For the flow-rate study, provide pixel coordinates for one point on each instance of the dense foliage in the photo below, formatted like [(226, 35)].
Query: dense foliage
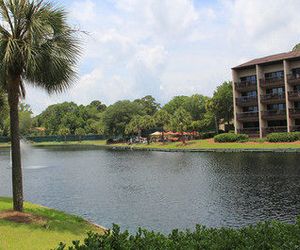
[(267, 235), (181, 114), (25, 117), (70, 115), (231, 137), (283, 137), (221, 104)]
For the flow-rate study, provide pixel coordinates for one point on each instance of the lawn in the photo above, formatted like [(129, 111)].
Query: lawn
[(195, 144), (210, 144), (39, 227)]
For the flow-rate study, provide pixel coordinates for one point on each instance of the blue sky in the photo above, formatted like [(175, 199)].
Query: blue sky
[(169, 47)]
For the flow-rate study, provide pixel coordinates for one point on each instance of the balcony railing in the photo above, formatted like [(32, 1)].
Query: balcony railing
[(271, 82), (294, 95), (293, 78), (246, 100), (245, 85), (272, 97), (273, 114), (294, 113), (247, 115), (274, 129), (249, 131), (295, 128)]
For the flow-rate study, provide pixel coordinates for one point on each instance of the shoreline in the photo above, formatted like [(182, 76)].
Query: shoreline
[(218, 150), (192, 146), (41, 227)]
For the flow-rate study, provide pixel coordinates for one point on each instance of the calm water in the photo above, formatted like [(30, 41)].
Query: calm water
[(161, 191)]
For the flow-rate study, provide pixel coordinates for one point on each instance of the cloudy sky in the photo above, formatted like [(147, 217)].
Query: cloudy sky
[(169, 47)]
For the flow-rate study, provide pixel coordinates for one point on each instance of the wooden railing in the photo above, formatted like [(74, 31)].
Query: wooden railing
[(269, 82), (246, 99), (275, 129), (253, 131), (251, 114), (294, 94), (245, 84), (272, 96)]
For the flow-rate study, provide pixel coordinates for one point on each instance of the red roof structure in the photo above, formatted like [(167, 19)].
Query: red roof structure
[(269, 59)]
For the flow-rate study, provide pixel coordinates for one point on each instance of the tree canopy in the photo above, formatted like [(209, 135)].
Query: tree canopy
[(221, 104), (118, 115), (124, 117)]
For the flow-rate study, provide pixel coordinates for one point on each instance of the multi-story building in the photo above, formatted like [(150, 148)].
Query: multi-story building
[(266, 93)]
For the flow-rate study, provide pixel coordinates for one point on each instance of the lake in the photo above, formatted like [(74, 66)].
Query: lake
[(160, 190)]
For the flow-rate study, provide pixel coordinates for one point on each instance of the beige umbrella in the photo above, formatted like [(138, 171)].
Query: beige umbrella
[(157, 133)]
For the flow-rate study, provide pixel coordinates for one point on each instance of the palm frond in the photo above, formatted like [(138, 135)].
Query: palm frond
[(41, 47)]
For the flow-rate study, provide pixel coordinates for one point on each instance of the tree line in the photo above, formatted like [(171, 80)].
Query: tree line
[(182, 113)]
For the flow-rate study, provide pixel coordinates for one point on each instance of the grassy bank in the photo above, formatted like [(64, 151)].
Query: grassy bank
[(39, 227), (210, 144), (196, 144)]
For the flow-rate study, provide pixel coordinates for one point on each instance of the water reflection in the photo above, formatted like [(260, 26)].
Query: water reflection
[(161, 190)]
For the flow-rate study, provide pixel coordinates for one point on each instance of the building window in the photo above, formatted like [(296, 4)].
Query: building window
[(277, 123), (251, 125), (296, 72), (248, 79), (275, 91), (297, 88), (297, 105), (275, 75), (250, 109), (277, 106), (252, 93)]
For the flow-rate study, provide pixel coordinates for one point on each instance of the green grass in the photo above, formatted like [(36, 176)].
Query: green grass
[(196, 144), (59, 227), (209, 144)]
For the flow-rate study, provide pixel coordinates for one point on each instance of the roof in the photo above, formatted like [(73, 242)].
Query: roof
[(270, 59)]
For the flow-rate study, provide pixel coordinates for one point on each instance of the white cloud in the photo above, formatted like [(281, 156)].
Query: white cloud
[(83, 11), (267, 26), (167, 48)]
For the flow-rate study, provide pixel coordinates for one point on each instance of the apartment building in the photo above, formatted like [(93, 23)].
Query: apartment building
[(266, 95)]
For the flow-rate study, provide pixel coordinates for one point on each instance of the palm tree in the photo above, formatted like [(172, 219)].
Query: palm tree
[(181, 122), (36, 47), (162, 119), (139, 123)]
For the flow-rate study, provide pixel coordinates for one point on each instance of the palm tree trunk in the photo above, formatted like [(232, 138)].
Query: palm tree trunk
[(182, 138), (17, 182)]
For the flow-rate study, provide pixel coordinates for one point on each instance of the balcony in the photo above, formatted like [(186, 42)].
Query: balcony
[(247, 116), (253, 132), (275, 129), (294, 95), (294, 113), (245, 85), (273, 114), (293, 79), (272, 98), (295, 128), (271, 82), (246, 101)]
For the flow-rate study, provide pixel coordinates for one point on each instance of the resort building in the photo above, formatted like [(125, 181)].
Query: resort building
[(266, 95)]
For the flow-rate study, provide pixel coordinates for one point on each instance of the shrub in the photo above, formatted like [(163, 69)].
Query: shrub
[(266, 235), (230, 137), (207, 135), (283, 137)]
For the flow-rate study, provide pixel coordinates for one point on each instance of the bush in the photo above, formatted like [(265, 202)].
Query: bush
[(207, 135), (283, 137), (230, 137), (266, 235)]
